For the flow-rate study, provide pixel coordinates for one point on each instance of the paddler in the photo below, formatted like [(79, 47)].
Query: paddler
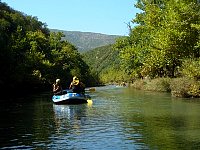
[(77, 86)]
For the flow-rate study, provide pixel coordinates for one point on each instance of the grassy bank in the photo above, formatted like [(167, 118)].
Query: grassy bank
[(179, 87)]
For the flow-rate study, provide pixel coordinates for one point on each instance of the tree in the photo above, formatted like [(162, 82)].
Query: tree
[(166, 34)]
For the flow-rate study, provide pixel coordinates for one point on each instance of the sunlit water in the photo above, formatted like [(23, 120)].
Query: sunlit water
[(118, 118)]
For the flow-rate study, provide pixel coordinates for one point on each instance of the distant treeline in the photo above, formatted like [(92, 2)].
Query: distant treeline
[(31, 57)]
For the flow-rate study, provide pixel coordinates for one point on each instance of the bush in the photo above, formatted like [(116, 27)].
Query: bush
[(138, 84), (185, 87), (179, 87), (159, 85)]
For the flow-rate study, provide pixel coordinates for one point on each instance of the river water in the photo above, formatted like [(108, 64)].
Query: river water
[(117, 118)]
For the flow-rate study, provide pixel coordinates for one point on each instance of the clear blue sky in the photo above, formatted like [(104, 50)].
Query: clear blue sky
[(99, 16)]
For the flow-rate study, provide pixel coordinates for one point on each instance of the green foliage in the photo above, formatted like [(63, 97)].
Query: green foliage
[(154, 64), (166, 34), (112, 75), (104, 62), (191, 68), (131, 51)]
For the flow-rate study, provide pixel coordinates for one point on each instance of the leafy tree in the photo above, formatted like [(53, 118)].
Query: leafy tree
[(166, 34)]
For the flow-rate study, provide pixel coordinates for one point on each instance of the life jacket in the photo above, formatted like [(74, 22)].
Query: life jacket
[(57, 89), (77, 88)]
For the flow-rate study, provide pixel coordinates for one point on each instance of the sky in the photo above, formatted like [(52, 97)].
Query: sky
[(100, 16)]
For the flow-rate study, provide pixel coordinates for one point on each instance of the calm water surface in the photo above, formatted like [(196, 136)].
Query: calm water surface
[(118, 118)]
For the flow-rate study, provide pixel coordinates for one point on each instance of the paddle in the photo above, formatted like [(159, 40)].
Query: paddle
[(91, 89)]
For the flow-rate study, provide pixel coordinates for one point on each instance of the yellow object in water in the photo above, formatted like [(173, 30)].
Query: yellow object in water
[(89, 102)]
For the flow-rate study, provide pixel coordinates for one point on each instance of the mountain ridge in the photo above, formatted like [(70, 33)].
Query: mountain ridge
[(85, 41)]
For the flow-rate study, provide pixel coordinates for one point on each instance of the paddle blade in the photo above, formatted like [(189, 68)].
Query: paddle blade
[(92, 89), (89, 102)]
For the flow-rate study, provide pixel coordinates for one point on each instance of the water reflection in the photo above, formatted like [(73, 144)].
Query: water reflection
[(161, 121), (69, 117)]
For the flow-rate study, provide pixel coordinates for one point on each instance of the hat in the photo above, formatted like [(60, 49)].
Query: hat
[(75, 80), (57, 80)]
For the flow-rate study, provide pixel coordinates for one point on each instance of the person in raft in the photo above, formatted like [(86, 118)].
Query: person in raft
[(57, 88), (77, 86)]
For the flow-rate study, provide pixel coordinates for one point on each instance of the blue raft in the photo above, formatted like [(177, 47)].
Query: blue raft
[(70, 98)]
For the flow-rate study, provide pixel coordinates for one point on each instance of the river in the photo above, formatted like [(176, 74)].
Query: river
[(118, 118)]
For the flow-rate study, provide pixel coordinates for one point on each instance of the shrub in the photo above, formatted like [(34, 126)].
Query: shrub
[(194, 89), (138, 84), (185, 87), (158, 84)]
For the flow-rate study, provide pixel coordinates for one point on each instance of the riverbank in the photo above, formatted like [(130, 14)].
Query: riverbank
[(179, 87)]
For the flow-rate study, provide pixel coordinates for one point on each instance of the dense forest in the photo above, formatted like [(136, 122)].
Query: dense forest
[(162, 48), (32, 57)]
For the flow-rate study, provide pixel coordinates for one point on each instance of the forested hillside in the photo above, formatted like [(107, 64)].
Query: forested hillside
[(101, 58), (33, 57), (104, 62), (85, 41)]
